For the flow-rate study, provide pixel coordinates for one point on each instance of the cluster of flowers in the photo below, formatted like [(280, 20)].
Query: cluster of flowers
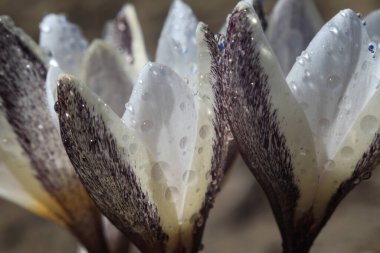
[(71, 149)]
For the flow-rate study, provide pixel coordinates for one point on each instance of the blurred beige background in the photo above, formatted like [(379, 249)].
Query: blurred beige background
[(355, 220)]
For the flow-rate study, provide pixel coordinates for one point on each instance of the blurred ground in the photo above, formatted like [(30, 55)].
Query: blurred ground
[(355, 226)]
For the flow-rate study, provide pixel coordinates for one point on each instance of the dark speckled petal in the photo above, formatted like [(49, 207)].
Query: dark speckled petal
[(268, 124), (31, 147), (115, 168)]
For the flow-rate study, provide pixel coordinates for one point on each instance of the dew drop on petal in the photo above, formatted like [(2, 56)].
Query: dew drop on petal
[(182, 106), (329, 165), (204, 131), (146, 126), (171, 194), (325, 123), (129, 107), (301, 61), (157, 172), (56, 106), (347, 152), (369, 124), (333, 81), (334, 30), (189, 176), (132, 148), (183, 142)]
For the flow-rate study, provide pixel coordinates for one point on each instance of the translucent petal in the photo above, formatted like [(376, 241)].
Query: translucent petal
[(64, 40), (177, 43), (162, 114), (104, 72), (292, 26), (373, 23), (125, 34), (334, 79), (211, 154), (12, 190)]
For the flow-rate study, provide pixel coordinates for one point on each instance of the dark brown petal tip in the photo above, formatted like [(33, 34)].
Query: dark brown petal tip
[(104, 165), (47, 172)]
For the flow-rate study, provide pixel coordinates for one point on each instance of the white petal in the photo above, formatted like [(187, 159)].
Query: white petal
[(177, 43), (64, 40), (12, 190), (125, 34), (291, 27), (334, 79), (373, 24), (163, 115), (104, 72)]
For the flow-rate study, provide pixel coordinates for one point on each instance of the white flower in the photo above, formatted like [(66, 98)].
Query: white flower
[(309, 138), (35, 171), (153, 172)]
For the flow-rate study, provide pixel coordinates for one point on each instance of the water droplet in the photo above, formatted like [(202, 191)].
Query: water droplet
[(301, 61), (304, 105), (171, 194), (329, 165), (67, 115), (369, 124), (325, 123), (293, 85), (40, 126), (302, 152), (365, 65), (306, 56), (189, 176), (334, 30), (333, 81), (366, 176), (200, 221), (347, 152), (155, 72), (145, 96), (146, 126), (204, 131), (132, 148), (372, 47), (129, 107), (56, 107), (183, 142), (182, 106), (157, 172)]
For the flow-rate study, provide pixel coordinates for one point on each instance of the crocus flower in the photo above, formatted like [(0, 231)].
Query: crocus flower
[(312, 137), (35, 171), (32, 175), (154, 171)]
